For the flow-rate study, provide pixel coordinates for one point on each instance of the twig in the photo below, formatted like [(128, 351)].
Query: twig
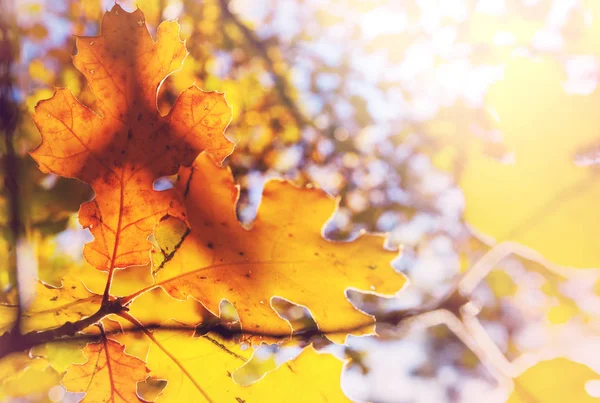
[(281, 84), (11, 342)]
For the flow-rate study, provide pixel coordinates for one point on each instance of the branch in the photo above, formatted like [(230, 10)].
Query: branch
[(14, 341), (281, 84)]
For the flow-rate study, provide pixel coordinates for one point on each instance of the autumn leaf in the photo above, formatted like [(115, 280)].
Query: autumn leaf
[(283, 254), (109, 375), (122, 148), (200, 369), (554, 381), (164, 307), (23, 378), (52, 306), (546, 199), (8, 315), (62, 354)]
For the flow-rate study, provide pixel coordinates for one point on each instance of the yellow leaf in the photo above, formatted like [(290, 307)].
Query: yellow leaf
[(8, 315), (25, 377), (52, 306), (62, 354), (554, 381), (544, 200), (164, 307), (210, 361), (283, 254)]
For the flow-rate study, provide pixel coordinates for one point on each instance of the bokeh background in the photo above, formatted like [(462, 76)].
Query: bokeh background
[(467, 130)]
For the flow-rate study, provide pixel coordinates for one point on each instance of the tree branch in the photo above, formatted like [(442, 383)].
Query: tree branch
[(14, 341), (281, 84)]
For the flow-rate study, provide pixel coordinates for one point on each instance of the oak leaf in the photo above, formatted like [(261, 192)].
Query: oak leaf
[(109, 375), (164, 307), (121, 149), (200, 369), (52, 306), (283, 254)]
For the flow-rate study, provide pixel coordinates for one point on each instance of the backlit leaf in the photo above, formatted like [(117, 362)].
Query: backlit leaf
[(284, 254), (544, 200), (109, 375), (554, 381), (24, 377), (210, 361), (123, 147), (53, 306)]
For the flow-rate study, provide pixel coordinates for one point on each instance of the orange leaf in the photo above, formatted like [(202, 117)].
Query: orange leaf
[(127, 145), (109, 375), (283, 254)]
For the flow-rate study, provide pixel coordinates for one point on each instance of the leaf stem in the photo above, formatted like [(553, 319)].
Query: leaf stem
[(128, 299)]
